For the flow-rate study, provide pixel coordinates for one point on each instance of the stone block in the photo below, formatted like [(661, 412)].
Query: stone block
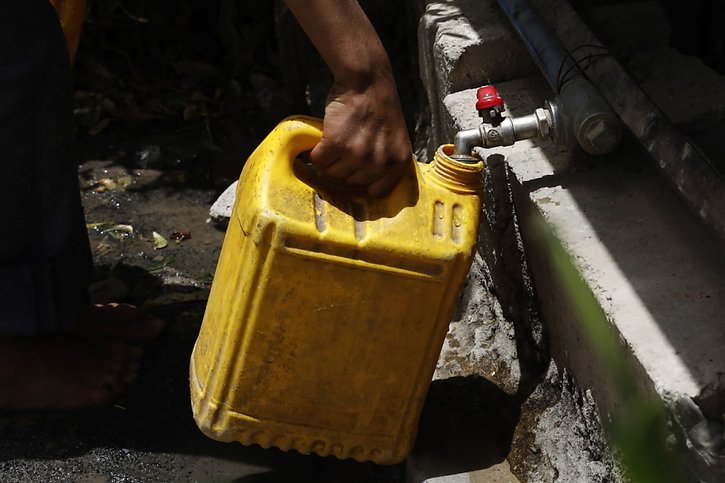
[(500, 473), (655, 272), (480, 340), (221, 210), (464, 44), (473, 44)]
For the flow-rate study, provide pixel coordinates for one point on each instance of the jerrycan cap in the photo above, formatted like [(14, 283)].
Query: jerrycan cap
[(460, 175)]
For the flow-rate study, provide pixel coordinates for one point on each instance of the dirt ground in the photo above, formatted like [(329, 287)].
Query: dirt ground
[(149, 434), (163, 127)]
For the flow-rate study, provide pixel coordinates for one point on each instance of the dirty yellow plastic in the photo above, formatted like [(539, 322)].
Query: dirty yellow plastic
[(328, 310), (72, 13)]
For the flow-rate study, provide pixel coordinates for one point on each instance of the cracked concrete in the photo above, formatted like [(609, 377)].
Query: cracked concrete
[(657, 274), (480, 340), (567, 429)]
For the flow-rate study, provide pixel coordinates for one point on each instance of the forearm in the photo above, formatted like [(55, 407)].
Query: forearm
[(365, 142), (345, 38)]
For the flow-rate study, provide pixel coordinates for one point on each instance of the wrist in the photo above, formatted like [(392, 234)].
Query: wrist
[(345, 38), (357, 70)]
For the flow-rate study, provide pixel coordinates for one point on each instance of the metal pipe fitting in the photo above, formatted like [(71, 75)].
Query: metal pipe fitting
[(534, 125), (585, 114), (546, 50), (588, 117)]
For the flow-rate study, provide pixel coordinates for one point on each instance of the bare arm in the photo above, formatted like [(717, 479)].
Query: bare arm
[(365, 141)]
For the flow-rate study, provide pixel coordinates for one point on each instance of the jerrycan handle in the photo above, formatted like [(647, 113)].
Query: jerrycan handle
[(295, 135)]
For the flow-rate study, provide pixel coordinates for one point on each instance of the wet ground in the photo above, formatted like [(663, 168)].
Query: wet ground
[(149, 434), (162, 130)]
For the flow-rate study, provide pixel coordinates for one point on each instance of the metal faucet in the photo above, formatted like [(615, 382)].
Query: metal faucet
[(499, 130), (577, 111)]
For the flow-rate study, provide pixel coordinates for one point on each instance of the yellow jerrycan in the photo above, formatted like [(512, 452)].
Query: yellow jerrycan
[(328, 310)]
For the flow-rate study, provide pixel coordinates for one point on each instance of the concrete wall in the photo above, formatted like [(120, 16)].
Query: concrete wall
[(656, 274)]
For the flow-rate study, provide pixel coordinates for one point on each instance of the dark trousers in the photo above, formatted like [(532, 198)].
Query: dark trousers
[(45, 262)]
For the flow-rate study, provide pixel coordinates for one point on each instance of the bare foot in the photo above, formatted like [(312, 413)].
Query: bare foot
[(121, 321), (91, 367), (64, 371)]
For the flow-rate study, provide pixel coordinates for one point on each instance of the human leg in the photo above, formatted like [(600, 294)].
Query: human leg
[(55, 351)]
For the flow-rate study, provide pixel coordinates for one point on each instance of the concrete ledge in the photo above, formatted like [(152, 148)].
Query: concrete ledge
[(654, 270), (500, 473), (656, 273)]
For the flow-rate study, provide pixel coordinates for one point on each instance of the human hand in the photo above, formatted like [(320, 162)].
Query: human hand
[(365, 142), (364, 139)]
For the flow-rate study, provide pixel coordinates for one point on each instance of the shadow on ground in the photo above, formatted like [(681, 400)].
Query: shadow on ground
[(149, 434)]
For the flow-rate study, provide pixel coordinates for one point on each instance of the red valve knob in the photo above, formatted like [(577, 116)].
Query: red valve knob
[(488, 98)]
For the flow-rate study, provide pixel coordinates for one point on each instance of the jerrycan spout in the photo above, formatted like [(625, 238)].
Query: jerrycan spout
[(457, 173)]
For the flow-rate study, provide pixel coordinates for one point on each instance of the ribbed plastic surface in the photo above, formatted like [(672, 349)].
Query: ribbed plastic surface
[(328, 311)]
